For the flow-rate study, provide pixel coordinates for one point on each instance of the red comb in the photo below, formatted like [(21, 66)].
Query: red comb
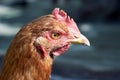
[(61, 16), (64, 18)]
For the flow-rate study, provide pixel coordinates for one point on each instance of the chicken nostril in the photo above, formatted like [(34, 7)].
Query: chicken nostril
[(76, 36)]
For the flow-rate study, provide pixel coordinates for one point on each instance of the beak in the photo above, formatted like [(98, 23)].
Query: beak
[(80, 40)]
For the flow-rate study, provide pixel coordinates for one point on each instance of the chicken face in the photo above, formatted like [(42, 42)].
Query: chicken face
[(59, 38), (53, 42), (58, 33)]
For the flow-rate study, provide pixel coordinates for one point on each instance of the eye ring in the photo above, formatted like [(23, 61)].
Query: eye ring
[(55, 35)]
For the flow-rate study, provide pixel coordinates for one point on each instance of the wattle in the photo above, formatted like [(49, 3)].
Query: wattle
[(60, 50)]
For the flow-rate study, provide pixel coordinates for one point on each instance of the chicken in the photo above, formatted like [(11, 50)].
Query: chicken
[(31, 52)]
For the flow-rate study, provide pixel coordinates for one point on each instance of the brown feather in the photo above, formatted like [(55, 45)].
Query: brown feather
[(22, 61)]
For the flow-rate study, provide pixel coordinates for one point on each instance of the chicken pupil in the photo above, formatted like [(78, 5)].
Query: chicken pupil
[(55, 35)]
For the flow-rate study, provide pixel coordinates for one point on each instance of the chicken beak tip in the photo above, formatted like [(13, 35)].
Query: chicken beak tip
[(87, 43), (81, 40)]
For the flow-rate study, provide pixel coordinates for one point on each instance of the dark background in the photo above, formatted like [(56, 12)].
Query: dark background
[(98, 20)]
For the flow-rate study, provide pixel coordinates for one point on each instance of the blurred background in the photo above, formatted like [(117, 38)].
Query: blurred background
[(98, 20)]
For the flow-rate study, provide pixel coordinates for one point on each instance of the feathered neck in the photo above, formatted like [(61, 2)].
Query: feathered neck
[(23, 62)]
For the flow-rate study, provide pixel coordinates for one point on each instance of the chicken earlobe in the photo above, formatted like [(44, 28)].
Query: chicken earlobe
[(38, 44)]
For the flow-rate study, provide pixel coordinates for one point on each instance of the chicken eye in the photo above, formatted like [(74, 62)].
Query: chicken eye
[(55, 35)]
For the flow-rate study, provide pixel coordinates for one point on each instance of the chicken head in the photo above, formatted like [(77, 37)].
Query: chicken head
[(60, 31)]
